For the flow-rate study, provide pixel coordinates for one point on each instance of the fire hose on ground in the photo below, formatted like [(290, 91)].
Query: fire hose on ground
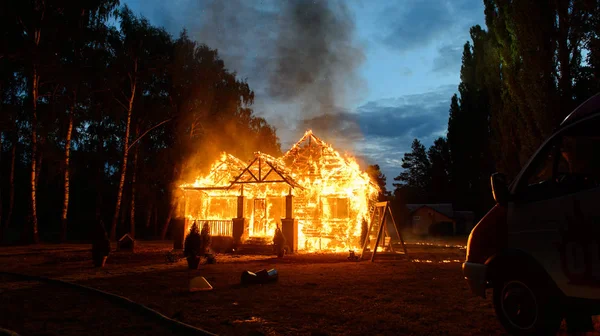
[(176, 326)]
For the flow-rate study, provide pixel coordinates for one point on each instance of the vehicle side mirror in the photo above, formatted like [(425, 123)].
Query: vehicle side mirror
[(499, 188)]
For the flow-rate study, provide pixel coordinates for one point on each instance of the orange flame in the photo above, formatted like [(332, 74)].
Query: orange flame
[(332, 196)]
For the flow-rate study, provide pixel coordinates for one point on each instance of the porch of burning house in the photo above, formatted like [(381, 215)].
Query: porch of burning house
[(252, 205)]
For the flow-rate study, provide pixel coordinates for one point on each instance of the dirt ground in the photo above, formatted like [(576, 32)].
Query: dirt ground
[(316, 294)]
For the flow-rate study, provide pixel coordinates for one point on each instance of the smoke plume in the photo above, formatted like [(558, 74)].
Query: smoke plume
[(299, 56), (315, 57)]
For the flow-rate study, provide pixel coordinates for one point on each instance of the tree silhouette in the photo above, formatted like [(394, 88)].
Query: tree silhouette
[(413, 183), (102, 123)]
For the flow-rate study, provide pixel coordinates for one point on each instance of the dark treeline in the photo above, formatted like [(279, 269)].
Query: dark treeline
[(520, 78), (102, 114)]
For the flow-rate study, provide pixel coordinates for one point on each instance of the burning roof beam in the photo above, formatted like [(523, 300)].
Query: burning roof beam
[(273, 164)]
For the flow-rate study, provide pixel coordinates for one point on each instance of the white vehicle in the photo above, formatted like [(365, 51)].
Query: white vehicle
[(539, 246)]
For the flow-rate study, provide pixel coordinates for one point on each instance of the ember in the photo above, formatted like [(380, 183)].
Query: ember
[(318, 197)]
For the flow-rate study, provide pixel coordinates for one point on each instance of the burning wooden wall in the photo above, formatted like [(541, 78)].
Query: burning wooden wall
[(331, 196)]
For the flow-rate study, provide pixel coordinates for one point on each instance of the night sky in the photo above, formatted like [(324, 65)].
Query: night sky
[(402, 66)]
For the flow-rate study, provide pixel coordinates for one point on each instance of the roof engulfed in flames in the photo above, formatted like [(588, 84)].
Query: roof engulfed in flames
[(221, 173), (332, 199)]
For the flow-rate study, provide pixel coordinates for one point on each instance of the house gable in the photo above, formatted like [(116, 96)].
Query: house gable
[(310, 149), (265, 169)]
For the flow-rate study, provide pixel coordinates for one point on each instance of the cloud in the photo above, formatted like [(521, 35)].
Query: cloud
[(449, 55), (439, 24), (449, 59), (416, 23), (415, 115), (388, 126)]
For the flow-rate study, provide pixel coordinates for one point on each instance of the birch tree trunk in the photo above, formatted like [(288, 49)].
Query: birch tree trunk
[(38, 165), (113, 229), (133, 180), (65, 210), (33, 180)]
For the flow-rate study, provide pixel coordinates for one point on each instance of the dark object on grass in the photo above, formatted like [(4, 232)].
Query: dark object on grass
[(352, 256), (100, 245), (193, 262), (193, 247), (210, 258), (260, 277), (172, 257), (126, 243)]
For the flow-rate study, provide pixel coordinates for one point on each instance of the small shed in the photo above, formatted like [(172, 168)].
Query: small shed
[(432, 219)]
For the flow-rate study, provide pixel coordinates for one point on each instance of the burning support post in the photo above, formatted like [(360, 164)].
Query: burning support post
[(240, 223), (289, 225)]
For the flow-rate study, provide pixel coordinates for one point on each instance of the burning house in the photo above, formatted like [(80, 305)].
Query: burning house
[(319, 198)]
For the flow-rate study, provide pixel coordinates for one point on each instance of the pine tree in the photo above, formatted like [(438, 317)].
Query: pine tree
[(415, 180)]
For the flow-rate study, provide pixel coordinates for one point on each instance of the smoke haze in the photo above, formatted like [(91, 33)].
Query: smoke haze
[(299, 56)]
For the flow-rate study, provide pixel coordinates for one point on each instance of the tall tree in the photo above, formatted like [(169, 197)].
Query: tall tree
[(39, 21), (139, 39), (414, 181), (440, 189), (540, 67), (589, 77), (469, 130), (133, 184), (82, 22), (72, 104)]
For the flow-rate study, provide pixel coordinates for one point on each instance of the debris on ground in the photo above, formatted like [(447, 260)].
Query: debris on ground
[(260, 277)]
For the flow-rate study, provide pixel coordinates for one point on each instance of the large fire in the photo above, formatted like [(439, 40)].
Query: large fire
[(332, 197)]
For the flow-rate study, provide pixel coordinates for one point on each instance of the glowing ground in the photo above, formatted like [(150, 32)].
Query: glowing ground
[(316, 294)]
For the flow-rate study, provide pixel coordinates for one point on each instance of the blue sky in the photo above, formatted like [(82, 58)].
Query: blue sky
[(402, 85)]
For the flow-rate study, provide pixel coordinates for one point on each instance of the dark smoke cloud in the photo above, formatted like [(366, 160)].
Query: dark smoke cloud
[(299, 56), (316, 58), (340, 128)]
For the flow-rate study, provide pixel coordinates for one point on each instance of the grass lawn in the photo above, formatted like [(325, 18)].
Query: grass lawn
[(315, 295)]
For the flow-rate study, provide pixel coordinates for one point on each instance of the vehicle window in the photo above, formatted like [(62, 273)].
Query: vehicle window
[(542, 169), (579, 160), (537, 182), (569, 163)]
